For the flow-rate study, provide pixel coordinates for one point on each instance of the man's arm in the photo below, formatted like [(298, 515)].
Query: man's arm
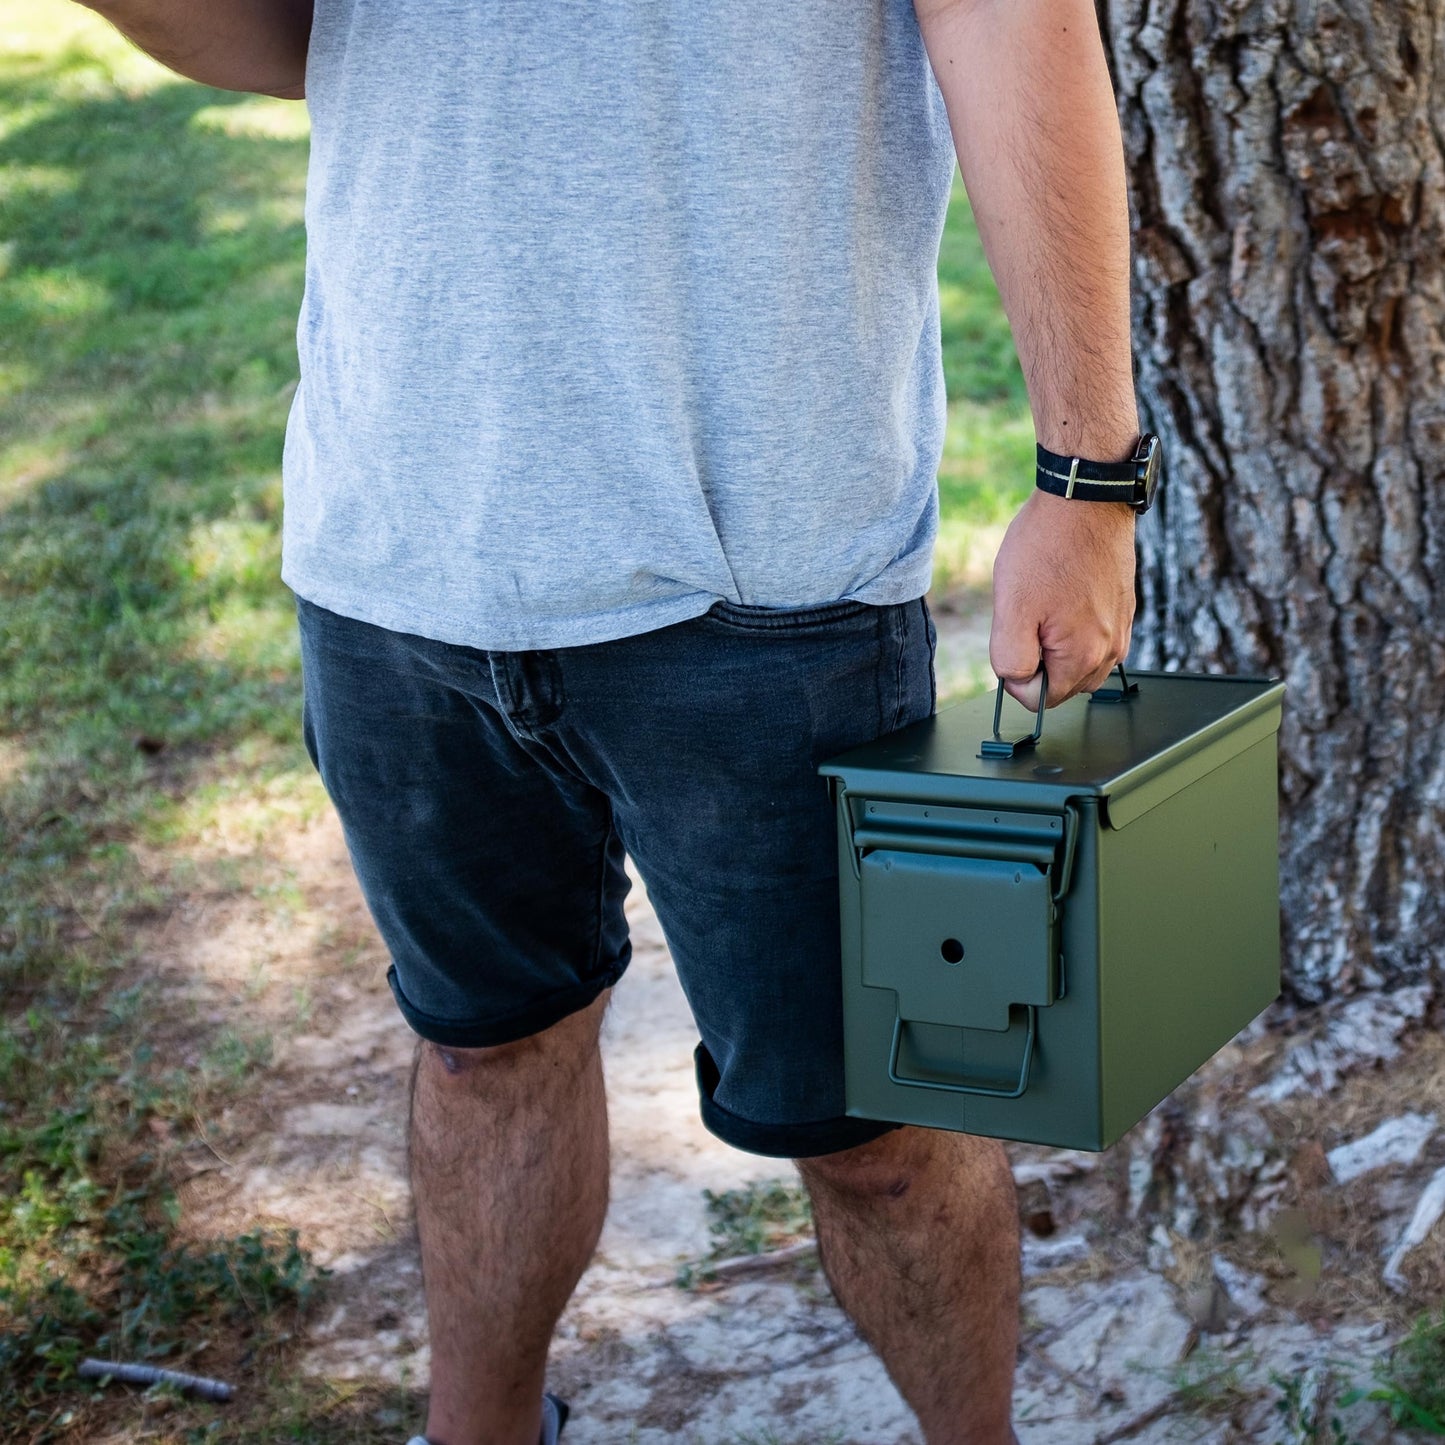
[(253, 45), (1037, 135)]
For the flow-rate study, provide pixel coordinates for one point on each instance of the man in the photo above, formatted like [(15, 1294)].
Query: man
[(609, 508)]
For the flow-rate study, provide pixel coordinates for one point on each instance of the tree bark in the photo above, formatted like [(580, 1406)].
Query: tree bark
[(1287, 171)]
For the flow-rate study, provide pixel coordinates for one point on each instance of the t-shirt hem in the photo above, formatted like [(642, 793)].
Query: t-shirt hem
[(524, 635), (904, 580)]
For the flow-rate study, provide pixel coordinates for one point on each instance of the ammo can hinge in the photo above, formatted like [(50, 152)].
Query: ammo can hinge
[(963, 842)]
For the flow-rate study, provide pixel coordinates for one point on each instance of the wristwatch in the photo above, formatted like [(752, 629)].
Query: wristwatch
[(1134, 481)]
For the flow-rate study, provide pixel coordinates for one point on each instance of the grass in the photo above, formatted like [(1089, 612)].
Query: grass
[(148, 280), (150, 269), (1209, 1384), (988, 455), (91, 1258)]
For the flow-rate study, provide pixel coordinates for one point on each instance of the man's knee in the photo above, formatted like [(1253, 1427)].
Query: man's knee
[(889, 1168), (566, 1049), (455, 1063), (883, 1169)]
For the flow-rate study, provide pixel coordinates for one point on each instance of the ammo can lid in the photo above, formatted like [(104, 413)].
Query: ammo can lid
[(1133, 753)]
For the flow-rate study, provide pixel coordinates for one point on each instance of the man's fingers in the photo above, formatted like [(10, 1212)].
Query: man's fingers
[(1099, 677), (1071, 674), (1063, 587), (1014, 654), (1068, 672), (1027, 690), (1086, 674), (1068, 676)]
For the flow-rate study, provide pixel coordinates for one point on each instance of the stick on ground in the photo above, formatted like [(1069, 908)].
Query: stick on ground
[(199, 1385)]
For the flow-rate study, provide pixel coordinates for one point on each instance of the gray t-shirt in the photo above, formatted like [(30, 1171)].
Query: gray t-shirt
[(614, 308)]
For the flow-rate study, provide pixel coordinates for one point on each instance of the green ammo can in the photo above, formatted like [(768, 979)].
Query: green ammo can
[(1042, 938)]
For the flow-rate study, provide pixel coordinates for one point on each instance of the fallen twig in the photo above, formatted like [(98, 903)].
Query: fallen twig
[(202, 1172), (129, 1374), (741, 1265), (201, 1135), (759, 1263), (1140, 1422)]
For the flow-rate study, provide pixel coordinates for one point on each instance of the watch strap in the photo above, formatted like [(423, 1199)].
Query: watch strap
[(1086, 481)]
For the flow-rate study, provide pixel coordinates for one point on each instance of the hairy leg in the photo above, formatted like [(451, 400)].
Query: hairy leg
[(918, 1234), (509, 1168)]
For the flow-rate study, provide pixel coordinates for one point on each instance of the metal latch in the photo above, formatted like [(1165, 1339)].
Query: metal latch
[(960, 919)]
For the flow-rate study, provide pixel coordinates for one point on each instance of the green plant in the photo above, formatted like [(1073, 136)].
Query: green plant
[(1412, 1379), (759, 1217), (1207, 1383), (1304, 1407), (233, 1056)]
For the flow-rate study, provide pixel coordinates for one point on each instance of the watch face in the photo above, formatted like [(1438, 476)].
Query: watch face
[(1149, 453)]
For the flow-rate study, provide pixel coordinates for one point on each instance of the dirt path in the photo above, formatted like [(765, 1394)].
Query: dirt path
[(765, 1358)]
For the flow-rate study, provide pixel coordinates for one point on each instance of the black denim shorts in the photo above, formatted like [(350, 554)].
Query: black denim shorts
[(488, 799)]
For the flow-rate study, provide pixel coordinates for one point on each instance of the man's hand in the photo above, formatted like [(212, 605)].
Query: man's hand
[(1063, 594), (1037, 135)]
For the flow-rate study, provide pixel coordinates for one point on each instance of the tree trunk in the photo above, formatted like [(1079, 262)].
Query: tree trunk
[(1287, 170)]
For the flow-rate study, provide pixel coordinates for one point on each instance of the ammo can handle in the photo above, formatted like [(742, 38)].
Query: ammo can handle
[(988, 1093), (1001, 747), (1122, 693)]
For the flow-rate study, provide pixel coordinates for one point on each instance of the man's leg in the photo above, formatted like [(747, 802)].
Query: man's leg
[(509, 1166), (918, 1235)]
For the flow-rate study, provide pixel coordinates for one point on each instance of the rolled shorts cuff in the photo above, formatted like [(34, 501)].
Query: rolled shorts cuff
[(509, 1028), (807, 1140)]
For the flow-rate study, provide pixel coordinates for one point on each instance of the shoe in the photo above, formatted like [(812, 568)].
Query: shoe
[(554, 1417)]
